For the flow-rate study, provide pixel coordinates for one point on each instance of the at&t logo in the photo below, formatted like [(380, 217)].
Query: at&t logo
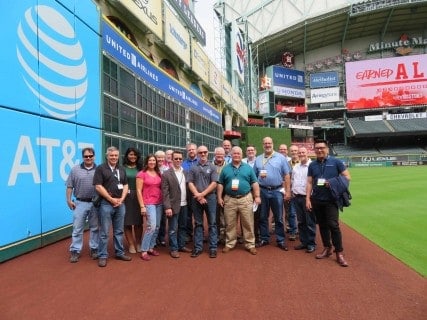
[(47, 42)]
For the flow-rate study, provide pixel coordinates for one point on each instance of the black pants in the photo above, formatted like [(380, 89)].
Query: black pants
[(327, 218)]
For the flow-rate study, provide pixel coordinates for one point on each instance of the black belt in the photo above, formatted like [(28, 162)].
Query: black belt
[(84, 199), (299, 195), (237, 196), (271, 187)]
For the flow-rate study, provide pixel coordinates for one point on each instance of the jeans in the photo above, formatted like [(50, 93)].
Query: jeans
[(154, 214), (291, 217), (210, 209), (272, 199), (177, 229), (109, 215), (327, 217), (83, 211), (162, 228), (306, 222)]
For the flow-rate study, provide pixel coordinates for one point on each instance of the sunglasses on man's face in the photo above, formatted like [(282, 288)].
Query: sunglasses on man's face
[(88, 156)]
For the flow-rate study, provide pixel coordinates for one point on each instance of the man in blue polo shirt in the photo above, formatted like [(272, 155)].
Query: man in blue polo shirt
[(236, 191), (319, 199), (273, 174)]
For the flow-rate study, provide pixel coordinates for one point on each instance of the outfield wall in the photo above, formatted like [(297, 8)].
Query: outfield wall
[(385, 161)]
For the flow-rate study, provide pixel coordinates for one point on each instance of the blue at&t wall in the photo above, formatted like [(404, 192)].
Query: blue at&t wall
[(49, 110)]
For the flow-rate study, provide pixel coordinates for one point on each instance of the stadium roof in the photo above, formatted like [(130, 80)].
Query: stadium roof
[(350, 22)]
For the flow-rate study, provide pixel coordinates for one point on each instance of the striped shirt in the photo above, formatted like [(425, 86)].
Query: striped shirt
[(80, 180)]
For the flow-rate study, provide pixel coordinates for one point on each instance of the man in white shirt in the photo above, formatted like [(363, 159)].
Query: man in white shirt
[(306, 219)]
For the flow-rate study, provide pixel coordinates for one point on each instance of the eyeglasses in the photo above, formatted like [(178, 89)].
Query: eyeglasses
[(177, 159), (203, 152), (88, 156)]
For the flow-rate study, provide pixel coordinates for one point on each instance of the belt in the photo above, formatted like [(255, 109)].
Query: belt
[(237, 196), (84, 199), (299, 195), (271, 187)]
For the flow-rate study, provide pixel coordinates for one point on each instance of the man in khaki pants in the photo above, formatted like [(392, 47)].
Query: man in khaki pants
[(237, 191)]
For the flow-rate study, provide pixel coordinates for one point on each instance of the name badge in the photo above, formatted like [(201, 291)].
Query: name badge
[(263, 173), (235, 184), (120, 186), (321, 182)]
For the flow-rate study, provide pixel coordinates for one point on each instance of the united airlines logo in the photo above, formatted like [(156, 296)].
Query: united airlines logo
[(47, 42)]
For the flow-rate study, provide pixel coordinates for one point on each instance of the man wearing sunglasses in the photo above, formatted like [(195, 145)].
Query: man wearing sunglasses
[(202, 181), (79, 183)]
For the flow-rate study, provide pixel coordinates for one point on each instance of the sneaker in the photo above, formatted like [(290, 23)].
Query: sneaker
[(292, 237), (94, 254), (74, 257)]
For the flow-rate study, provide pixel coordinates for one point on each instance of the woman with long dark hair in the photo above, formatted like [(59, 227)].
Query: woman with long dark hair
[(149, 192), (133, 219)]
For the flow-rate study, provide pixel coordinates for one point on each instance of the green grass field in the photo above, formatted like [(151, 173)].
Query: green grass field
[(389, 207)]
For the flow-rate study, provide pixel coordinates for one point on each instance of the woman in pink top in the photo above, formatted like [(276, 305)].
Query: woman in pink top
[(149, 192)]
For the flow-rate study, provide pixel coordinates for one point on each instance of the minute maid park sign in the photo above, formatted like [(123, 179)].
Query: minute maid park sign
[(403, 46)]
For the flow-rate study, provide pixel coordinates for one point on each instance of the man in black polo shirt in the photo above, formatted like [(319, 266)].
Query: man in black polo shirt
[(79, 182), (240, 185), (111, 183)]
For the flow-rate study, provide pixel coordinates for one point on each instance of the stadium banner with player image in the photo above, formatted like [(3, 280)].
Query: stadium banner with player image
[(385, 83)]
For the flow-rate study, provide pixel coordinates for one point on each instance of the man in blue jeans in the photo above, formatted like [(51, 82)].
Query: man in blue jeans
[(79, 183), (202, 181), (111, 183), (273, 174), (174, 192)]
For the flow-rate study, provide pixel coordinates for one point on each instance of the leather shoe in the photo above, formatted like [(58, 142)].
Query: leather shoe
[(124, 258), (327, 252), (340, 259), (282, 246), (252, 251), (185, 249), (300, 247), (102, 262), (262, 243), (226, 249), (153, 253), (196, 253), (212, 254), (310, 249), (174, 254)]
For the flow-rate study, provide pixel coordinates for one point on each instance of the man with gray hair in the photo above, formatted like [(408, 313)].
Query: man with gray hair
[(111, 183)]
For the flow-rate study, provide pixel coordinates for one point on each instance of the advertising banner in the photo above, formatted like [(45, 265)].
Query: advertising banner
[(324, 79), (115, 45), (177, 37), (325, 95), (215, 78), (289, 92), (284, 77), (238, 51), (147, 12), (200, 62), (50, 61), (389, 82), (37, 160)]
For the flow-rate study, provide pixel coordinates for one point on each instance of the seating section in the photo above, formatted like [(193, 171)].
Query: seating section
[(409, 125), (361, 127)]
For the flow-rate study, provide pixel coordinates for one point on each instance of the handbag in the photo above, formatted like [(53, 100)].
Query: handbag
[(96, 200)]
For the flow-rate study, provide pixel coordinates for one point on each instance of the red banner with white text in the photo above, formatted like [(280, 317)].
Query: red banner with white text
[(384, 83)]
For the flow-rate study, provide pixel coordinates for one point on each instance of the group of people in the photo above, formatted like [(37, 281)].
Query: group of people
[(173, 193)]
